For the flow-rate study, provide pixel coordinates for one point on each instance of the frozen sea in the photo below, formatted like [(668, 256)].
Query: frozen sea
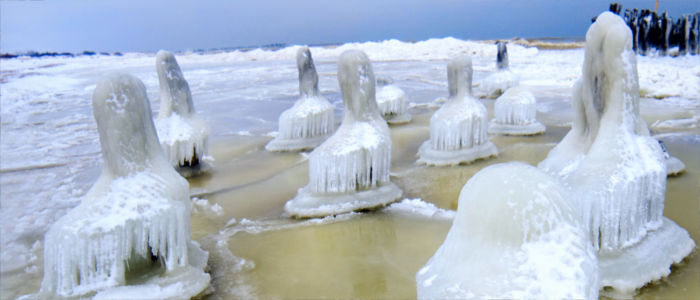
[(50, 156)]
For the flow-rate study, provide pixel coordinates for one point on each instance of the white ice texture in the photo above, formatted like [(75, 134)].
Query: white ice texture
[(350, 170), (392, 102), (183, 135), (515, 236), (136, 212), (310, 121), (498, 83), (458, 130), (516, 113), (617, 170)]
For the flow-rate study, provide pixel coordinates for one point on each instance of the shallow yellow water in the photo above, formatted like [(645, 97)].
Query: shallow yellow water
[(376, 254)]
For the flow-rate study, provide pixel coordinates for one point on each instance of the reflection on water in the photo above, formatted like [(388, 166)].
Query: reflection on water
[(376, 255)]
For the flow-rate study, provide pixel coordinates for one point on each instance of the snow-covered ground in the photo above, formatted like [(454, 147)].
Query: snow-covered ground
[(49, 148)]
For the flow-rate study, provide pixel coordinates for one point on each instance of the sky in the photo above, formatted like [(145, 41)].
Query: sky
[(146, 26)]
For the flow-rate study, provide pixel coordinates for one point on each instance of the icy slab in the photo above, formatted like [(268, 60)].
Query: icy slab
[(617, 170), (515, 236), (183, 134), (674, 166), (135, 217), (516, 114), (392, 102), (350, 170), (310, 121), (458, 129), (498, 83)]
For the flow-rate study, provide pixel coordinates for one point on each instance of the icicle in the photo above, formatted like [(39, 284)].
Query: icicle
[(516, 114), (138, 208), (392, 102), (458, 129), (350, 170), (183, 135), (310, 121), (515, 236), (616, 169)]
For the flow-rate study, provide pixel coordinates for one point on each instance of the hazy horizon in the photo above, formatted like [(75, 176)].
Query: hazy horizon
[(75, 26)]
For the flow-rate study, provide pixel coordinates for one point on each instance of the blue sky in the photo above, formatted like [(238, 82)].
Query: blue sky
[(127, 25)]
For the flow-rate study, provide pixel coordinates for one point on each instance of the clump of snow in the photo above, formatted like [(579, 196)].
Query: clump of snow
[(418, 207), (183, 135), (310, 121), (350, 170), (392, 102), (516, 114), (515, 236), (138, 211), (458, 129), (617, 170)]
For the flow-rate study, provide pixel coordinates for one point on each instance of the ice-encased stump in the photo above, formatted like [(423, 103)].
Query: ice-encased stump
[(515, 236), (183, 134), (516, 114), (134, 221), (499, 82), (674, 166), (616, 169), (310, 121), (350, 170), (392, 102), (458, 130)]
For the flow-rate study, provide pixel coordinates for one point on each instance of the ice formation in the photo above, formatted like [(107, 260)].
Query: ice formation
[(183, 135), (497, 83), (515, 236), (310, 121), (350, 170), (392, 102), (616, 168), (458, 129), (516, 113), (674, 166), (135, 218)]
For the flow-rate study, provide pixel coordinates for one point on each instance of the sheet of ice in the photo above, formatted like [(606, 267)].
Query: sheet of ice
[(182, 133), (617, 170), (515, 236), (516, 113), (311, 120), (350, 170), (458, 129), (137, 210), (392, 102)]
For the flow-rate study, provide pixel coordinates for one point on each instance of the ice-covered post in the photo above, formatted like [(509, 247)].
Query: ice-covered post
[(497, 83), (310, 121), (183, 135), (616, 169), (136, 216), (350, 170), (502, 56), (516, 114), (458, 129), (392, 102)]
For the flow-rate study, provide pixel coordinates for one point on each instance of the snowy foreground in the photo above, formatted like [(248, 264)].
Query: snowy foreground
[(50, 152)]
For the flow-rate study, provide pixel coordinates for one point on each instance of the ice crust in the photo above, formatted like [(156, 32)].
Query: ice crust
[(392, 102), (617, 170), (516, 114), (458, 130), (310, 121), (515, 236), (350, 170), (183, 135), (138, 209)]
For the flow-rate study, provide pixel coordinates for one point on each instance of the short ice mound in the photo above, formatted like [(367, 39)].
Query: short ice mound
[(134, 223), (674, 166), (515, 236), (310, 121), (497, 83), (350, 170), (392, 102), (183, 135), (458, 129), (516, 114), (616, 169)]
